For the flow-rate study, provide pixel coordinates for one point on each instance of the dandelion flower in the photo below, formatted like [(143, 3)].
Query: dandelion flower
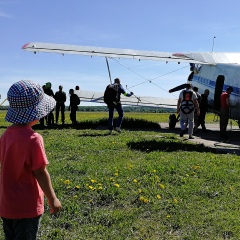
[(175, 200), (67, 181), (141, 199), (135, 180), (93, 180), (161, 186), (146, 200), (159, 196), (117, 185)]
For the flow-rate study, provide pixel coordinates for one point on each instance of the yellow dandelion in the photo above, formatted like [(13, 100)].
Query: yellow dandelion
[(116, 174), (67, 181), (111, 179), (146, 200), (159, 196), (93, 180), (75, 196), (141, 199), (91, 187), (231, 189), (77, 187), (135, 180), (197, 167), (175, 200), (100, 188), (117, 185), (154, 171), (168, 216), (139, 190), (130, 166), (161, 186)]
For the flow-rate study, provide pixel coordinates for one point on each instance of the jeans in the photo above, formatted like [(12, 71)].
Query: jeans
[(110, 116), (187, 120), (60, 105), (21, 229)]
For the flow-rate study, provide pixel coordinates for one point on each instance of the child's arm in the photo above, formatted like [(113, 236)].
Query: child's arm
[(45, 183)]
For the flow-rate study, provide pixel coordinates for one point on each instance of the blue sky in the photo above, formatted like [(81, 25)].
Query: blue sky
[(156, 25)]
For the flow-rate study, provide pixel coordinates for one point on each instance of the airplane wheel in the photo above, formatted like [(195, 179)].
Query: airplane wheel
[(172, 121)]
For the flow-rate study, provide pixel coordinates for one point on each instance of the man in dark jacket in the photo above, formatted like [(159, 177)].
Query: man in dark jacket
[(116, 104), (60, 98), (203, 109), (73, 106)]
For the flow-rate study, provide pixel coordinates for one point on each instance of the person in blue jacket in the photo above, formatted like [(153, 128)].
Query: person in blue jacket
[(116, 104)]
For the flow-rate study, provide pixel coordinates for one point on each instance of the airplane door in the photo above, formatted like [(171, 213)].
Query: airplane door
[(218, 92)]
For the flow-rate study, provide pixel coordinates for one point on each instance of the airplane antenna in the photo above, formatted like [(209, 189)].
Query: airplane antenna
[(213, 43), (109, 73)]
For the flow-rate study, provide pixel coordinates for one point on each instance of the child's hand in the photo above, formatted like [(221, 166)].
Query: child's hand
[(55, 206)]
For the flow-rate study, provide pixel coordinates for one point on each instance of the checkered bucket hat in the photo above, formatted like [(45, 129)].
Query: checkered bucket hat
[(28, 102)]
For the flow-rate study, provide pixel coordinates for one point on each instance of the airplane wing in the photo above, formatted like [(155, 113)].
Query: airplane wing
[(195, 57), (97, 97)]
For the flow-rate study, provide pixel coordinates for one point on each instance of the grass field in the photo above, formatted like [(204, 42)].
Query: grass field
[(137, 184)]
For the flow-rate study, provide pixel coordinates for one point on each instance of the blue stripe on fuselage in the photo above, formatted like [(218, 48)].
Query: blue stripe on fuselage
[(211, 84)]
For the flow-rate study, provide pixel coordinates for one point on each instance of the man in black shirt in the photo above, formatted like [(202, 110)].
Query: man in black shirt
[(60, 98)]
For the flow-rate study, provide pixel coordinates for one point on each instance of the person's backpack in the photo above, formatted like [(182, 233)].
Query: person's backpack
[(77, 99), (110, 94), (187, 105)]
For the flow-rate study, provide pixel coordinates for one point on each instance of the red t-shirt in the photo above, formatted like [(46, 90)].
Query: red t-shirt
[(21, 153), (223, 98)]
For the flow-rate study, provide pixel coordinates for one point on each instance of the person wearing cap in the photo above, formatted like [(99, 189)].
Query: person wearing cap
[(60, 98), (187, 103), (24, 179), (224, 112)]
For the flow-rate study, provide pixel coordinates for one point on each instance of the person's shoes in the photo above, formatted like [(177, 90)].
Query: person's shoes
[(182, 132), (118, 129), (191, 137)]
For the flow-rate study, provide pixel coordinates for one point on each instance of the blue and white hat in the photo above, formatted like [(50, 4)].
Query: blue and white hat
[(28, 102)]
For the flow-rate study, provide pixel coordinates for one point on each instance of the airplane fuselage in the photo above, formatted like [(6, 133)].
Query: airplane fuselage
[(217, 78)]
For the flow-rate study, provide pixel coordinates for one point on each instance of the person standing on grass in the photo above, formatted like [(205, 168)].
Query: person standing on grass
[(112, 97), (73, 107), (187, 103), (60, 98), (48, 90), (24, 179)]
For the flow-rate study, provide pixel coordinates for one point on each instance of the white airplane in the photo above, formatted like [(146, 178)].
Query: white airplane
[(209, 70)]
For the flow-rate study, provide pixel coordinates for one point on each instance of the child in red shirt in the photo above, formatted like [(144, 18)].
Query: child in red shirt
[(24, 178)]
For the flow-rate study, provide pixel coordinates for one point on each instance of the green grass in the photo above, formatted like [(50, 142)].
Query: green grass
[(137, 184)]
